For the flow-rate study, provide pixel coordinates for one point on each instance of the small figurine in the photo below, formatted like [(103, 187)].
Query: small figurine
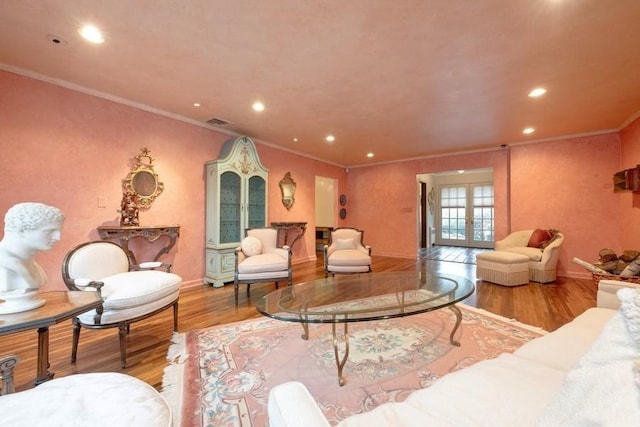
[(129, 209)]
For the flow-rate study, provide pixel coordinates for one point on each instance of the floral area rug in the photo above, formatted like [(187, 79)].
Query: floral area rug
[(221, 376)]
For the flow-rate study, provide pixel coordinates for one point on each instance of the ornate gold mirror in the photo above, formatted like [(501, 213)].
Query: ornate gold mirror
[(288, 189), (142, 180)]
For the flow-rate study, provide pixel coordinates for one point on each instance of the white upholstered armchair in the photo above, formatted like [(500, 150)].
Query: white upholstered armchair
[(129, 292), (260, 260), (543, 254), (346, 253)]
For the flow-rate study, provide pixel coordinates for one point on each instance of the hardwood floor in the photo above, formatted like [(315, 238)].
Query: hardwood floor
[(451, 254), (547, 306)]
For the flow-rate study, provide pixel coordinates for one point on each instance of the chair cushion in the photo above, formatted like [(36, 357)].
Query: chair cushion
[(351, 257), (502, 257), (263, 263), (251, 246), (342, 244), (267, 235), (136, 288), (111, 317), (534, 254)]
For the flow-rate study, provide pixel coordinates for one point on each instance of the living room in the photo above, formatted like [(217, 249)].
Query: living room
[(71, 148), (81, 145)]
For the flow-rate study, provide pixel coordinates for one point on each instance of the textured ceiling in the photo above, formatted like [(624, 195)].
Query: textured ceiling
[(402, 79)]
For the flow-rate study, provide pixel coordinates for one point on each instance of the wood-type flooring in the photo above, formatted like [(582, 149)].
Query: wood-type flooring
[(548, 306)]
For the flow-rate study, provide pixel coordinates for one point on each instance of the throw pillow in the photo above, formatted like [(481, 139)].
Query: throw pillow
[(345, 244), (630, 308), (251, 246), (538, 238), (554, 236)]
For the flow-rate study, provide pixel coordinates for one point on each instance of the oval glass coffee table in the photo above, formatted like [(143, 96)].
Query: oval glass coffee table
[(364, 297)]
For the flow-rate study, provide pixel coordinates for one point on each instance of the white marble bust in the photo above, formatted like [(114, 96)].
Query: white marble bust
[(28, 229)]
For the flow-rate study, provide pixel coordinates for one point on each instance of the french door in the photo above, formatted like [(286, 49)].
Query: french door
[(465, 215)]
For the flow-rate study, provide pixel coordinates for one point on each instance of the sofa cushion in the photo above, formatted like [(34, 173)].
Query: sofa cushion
[(263, 263), (538, 238), (562, 348), (473, 396), (502, 257), (601, 389), (534, 254), (251, 246)]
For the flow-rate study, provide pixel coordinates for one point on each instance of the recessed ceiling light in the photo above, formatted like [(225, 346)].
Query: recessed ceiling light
[(461, 171), (369, 155), (196, 104), (295, 139), (539, 91), (528, 131), (91, 33), (258, 106), (330, 138)]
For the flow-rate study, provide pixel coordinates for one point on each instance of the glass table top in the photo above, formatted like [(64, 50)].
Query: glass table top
[(363, 297)]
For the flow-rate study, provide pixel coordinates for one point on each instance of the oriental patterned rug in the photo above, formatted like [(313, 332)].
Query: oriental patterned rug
[(221, 376)]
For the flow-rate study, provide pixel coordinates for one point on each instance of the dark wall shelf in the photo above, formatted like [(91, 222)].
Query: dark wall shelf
[(627, 180)]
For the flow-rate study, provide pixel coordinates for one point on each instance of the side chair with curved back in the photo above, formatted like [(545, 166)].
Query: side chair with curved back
[(346, 253), (129, 292), (260, 260)]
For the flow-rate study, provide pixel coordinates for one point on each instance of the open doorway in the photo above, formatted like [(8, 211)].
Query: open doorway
[(326, 194), (456, 209)]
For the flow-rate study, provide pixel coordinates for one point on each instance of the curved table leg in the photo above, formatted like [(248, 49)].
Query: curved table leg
[(458, 314), (304, 322), (340, 361), (305, 327)]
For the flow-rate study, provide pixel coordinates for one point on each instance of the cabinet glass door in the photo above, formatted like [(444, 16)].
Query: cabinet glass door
[(256, 202), (230, 207)]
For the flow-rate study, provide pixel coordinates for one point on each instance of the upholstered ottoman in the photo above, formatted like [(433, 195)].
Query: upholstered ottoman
[(503, 268)]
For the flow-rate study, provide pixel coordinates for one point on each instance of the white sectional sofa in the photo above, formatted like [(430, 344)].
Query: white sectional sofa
[(586, 373)]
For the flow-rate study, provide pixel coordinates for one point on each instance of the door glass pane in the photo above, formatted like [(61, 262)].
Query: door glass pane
[(483, 218), (453, 202), (256, 202), (229, 207)]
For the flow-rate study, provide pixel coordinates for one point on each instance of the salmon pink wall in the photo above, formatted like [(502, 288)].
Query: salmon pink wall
[(567, 185), (629, 203), (383, 199), (564, 184), (66, 149), (303, 173)]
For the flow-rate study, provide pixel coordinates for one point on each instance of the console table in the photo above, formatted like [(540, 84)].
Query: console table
[(284, 228), (151, 233)]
